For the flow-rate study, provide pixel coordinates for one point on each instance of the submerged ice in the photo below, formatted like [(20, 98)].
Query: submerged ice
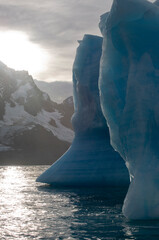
[(90, 161), (129, 85)]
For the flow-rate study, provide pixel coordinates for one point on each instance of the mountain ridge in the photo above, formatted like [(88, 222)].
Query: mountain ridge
[(58, 90), (32, 126)]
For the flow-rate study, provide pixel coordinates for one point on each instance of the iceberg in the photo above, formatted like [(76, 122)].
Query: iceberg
[(129, 88), (91, 160)]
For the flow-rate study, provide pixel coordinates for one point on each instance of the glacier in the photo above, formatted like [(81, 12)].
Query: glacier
[(90, 161), (129, 89)]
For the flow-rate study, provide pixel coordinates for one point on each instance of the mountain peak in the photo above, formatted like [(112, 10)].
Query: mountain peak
[(27, 114)]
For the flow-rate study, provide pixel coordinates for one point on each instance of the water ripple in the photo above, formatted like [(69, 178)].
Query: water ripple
[(29, 210)]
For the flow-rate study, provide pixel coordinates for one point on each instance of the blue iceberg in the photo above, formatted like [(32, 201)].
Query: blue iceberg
[(129, 86), (90, 161)]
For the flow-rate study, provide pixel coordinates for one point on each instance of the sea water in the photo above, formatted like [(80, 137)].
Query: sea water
[(29, 210)]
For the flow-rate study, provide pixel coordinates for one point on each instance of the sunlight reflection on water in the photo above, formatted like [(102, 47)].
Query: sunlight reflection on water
[(30, 210)]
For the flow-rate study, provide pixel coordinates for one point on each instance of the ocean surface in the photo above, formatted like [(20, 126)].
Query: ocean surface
[(30, 210)]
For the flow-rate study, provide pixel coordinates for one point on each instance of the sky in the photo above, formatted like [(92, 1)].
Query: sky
[(54, 26)]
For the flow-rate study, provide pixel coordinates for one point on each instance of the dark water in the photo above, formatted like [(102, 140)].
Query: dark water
[(29, 210)]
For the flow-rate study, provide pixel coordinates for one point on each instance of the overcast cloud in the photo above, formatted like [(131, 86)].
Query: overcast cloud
[(56, 25)]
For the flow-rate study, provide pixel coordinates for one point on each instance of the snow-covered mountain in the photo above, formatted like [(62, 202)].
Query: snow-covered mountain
[(67, 110), (58, 91), (33, 129)]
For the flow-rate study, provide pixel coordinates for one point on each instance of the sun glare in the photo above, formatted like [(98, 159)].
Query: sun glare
[(19, 53)]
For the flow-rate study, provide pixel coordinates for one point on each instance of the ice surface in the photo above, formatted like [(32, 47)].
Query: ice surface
[(129, 85), (90, 161)]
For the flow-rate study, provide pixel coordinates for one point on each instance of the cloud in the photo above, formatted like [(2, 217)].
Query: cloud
[(56, 26)]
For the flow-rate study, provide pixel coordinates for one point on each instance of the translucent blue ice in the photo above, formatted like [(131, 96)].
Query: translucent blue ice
[(90, 161), (129, 85)]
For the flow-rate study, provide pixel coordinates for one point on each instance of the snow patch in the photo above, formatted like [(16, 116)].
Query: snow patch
[(19, 81), (17, 119), (22, 92), (61, 132), (45, 96)]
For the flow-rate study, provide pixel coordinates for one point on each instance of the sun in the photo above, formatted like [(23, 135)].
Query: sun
[(19, 53)]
